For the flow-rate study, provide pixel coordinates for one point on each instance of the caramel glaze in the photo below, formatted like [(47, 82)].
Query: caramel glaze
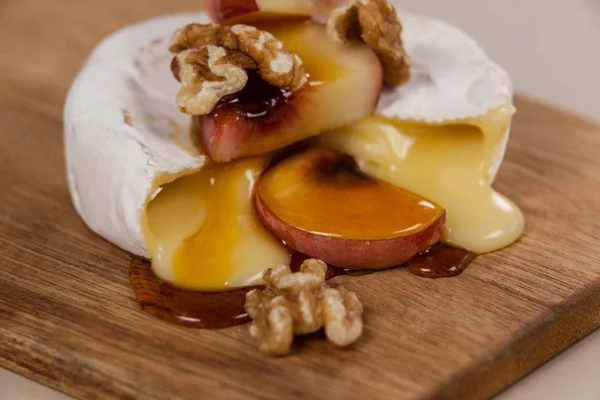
[(225, 309)]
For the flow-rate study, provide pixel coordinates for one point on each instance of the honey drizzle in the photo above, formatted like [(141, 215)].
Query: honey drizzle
[(179, 306), (225, 309)]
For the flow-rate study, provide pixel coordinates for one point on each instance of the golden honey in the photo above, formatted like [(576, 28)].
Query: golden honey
[(326, 196), (203, 233), (447, 163)]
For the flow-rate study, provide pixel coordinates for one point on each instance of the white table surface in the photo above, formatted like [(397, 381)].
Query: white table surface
[(552, 50)]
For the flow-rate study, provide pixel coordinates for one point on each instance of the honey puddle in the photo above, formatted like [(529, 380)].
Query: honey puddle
[(218, 310)]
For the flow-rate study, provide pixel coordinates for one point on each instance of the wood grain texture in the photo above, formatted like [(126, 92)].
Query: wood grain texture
[(69, 320)]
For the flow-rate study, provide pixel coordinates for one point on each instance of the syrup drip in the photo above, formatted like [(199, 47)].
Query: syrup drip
[(258, 100), (440, 261), (225, 309)]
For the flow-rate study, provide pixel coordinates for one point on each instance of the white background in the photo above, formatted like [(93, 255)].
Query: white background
[(551, 48)]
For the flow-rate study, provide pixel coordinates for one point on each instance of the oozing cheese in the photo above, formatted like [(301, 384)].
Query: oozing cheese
[(450, 164), (203, 234)]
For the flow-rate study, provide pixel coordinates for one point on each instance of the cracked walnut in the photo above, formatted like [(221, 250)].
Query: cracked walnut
[(301, 303), (376, 23), (212, 62)]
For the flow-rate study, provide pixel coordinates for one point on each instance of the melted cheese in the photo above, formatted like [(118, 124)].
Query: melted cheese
[(203, 234), (450, 164)]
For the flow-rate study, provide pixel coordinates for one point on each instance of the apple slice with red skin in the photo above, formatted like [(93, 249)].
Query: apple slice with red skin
[(320, 204), (245, 11), (344, 84)]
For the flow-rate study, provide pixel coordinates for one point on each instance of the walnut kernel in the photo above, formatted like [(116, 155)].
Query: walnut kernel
[(376, 23), (207, 75), (209, 53), (301, 303)]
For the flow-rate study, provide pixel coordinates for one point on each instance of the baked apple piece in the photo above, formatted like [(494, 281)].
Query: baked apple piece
[(256, 10), (344, 83), (319, 203)]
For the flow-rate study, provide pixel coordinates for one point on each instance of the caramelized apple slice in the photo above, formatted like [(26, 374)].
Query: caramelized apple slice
[(320, 204), (344, 85), (256, 10)]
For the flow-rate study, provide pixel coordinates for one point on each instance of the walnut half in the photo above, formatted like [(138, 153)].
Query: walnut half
[(376, 23), (301, 303), (212, 61)]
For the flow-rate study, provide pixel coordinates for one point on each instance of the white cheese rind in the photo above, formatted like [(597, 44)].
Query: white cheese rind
[(120, 113), (451, 76), (112, 165)]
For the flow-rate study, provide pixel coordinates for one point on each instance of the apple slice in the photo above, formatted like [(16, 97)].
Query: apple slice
[(319, 203), (344, 85), (244, 11)]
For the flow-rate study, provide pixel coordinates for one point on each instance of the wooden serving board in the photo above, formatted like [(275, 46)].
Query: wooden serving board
[(69, 320)]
